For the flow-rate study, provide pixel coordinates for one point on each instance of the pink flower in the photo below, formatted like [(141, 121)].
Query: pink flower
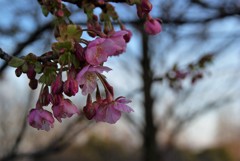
[(152, 26), (87, 78), (41, 119), (64, 109), (110, 112), (98, 50), (118, 40)]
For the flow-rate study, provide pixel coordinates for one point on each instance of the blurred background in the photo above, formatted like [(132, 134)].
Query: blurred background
[(183, 83)]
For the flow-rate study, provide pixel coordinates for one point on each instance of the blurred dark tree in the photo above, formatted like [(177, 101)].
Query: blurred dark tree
[(189, 26)]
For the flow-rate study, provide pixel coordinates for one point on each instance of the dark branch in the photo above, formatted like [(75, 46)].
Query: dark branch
[(33, 37), (5, 56)]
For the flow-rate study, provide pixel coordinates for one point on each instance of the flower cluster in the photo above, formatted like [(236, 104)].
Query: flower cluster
[(83, 76), (82, 61)]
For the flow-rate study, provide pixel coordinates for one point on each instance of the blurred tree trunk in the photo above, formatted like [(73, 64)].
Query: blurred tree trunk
[(149, 135)]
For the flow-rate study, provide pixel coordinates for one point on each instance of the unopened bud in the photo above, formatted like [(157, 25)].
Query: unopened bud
[(33, 83), (18, 71)]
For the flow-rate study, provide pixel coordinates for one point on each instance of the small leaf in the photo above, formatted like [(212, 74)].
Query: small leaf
[(74, 32), (38, 67), (25, 68), (65, 58), (47, 78), (16, 62), (45, 11), (75, 61), (62, 46)]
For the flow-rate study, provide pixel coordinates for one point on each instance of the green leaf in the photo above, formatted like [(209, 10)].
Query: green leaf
[(16, 62), (74, 32), (75, 61), (60, 46), (45, 11), (65, 58), (38, 67), (30, 58), (49, 75), (25, 67)]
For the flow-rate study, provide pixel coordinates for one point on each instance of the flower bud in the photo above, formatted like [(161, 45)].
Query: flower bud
[(33, 83), (31, 72), (70, 87), (57, 85), (152, 26), (18, 71), (44, 99)]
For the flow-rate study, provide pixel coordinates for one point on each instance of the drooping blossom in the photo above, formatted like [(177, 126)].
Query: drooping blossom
[(152, 26), (41, 119), (110, 112), (64, 109), (87, 78), (99, 49), (118, 40)]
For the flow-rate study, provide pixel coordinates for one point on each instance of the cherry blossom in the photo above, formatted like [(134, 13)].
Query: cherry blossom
[(87, 77), (110, 112), (64, 109), (41, 119)]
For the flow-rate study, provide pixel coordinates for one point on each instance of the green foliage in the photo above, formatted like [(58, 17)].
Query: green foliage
[(16, 62), (49, 75), (62, 46), (65, 58), (45, 11)]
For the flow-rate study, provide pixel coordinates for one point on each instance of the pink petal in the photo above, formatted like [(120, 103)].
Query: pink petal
[(82, 72), (89, 87), (100, 114), (122, 99), (123, 108), (112, 115), (99, 69)]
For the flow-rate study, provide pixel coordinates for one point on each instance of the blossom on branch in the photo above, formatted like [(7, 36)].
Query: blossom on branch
[(87, 78), (41, 119), (110, 111), (64, 109)]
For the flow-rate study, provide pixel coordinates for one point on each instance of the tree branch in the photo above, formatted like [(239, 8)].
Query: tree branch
[(22, 45)]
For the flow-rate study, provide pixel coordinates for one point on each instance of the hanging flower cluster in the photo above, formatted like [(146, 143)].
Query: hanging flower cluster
[(82, 61)]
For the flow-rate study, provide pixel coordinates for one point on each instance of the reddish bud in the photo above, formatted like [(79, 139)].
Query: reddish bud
[(31, 72), (152, 26), (33, 83), (59, 13), (144, 8), (90, 108), (79, 52), (70, 87), (56, 98), (57, 85), (44, 98), (18, 71)]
